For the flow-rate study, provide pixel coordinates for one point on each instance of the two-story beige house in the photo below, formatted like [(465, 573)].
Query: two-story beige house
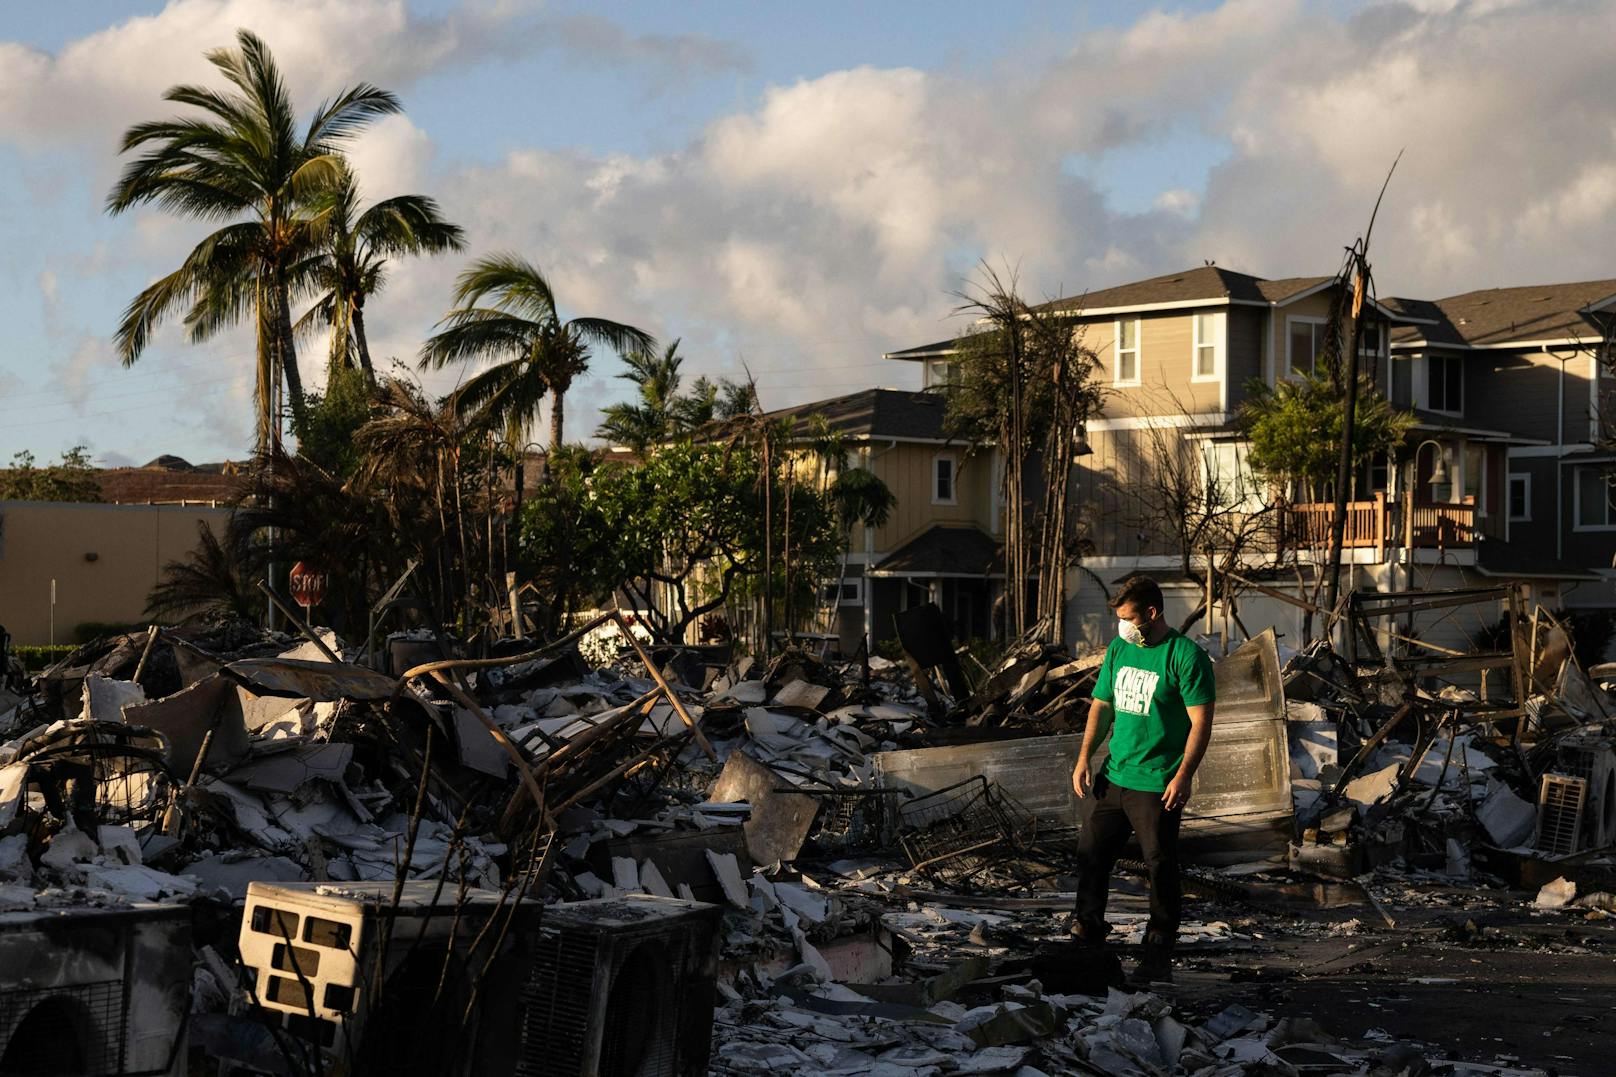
[(1503, 407), (940, 542)]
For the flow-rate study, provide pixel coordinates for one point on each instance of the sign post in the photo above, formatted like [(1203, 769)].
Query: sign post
[(307, 586)]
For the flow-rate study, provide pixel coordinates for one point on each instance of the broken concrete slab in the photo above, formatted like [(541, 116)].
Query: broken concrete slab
[(478, 748), (105, 698), (728, 874), (187, 716), (286, 771), (805, 694)]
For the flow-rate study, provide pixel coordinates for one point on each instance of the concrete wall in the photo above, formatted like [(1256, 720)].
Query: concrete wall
[(41, 541)]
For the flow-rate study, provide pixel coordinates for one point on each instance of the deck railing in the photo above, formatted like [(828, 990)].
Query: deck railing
[(1381, 523)]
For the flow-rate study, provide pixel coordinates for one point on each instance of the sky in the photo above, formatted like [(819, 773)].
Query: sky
[(794, 189)]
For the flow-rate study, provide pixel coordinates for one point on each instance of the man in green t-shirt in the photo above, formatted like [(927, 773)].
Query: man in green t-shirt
[(1158, 685)]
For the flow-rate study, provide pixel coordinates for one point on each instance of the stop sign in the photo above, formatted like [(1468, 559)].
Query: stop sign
[(306, 584)]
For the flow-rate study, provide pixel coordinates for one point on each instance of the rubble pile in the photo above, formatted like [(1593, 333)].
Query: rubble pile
[(892, 854)]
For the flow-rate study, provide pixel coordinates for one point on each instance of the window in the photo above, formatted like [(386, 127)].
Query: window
[(1127, 371), (1520, 497), (941, 373), (1303, 346), (1402, 394), (1444, 383), (1228, 476), (843, 593), (1374, 477), (1593, 497), (942, 480), (1205, 361)]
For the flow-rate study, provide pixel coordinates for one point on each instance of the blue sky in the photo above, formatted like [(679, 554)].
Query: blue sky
[(799, 188)]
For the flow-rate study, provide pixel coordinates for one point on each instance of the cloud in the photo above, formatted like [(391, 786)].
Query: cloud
[(835, 217), (97, 85)]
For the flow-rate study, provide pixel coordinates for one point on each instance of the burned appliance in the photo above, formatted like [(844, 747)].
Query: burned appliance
[(379, 987), (99, 991), (621, 987), (1577, 797)]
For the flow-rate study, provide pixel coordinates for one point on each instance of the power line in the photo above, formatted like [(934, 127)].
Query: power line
[(165, 389), (110, 413)]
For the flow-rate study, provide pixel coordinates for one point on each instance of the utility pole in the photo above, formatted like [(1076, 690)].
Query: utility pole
[(1349, 421), (1356, 273)]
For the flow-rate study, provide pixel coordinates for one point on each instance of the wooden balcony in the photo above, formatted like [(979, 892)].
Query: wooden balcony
[(1381, 523)]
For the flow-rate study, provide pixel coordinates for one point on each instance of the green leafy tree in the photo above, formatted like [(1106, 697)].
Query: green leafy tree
[(687, 524), (71, 479), (567, 548), (352, 251), (332, 419), (521, 327), (1295, 430), (239, 155)]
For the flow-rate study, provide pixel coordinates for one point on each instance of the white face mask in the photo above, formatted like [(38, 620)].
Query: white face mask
[(1131, 632)]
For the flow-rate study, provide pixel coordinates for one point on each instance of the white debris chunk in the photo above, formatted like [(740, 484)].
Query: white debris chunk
[(1556, 895)]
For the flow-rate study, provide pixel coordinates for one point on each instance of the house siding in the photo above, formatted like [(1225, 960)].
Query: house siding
[(1166, 347), (906, 468), (1520, 392), (1245, 363)]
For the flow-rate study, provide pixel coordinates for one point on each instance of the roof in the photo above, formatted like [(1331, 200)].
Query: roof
[(157, 484), (944, 550), (927, 351), (1500, 317), (1203, 284), (874, 413)]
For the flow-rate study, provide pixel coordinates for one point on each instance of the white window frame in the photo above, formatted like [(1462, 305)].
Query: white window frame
[(953, 479), (1136, 351), (1509, 497), (1216, 318), (1424, 375), (1248, 495), (933, 367), (1289, 370), (1576, 503)]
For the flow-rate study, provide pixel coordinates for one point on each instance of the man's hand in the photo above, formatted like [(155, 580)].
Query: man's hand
[(1177, 793), (1082, 780)]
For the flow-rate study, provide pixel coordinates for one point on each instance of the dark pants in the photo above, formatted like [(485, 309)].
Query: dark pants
[(1111, 813)]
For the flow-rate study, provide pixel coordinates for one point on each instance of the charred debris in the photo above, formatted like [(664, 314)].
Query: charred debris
[(231, 851)]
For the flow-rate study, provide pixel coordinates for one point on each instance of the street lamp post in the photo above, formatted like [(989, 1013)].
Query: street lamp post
[(1439, 477)]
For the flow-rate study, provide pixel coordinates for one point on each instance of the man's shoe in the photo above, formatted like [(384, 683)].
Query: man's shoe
[(1155, 966), (1087, 938)]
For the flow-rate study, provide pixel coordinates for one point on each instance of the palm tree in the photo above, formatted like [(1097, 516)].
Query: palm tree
[(243, 157), (658, 414), (208, 580), (351, 265), (541, 352)]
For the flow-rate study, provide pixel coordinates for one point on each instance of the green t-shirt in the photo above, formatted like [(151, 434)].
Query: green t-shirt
[(1149, 688)]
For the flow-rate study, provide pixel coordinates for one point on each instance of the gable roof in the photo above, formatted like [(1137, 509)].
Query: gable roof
[(1505, 317), (944, 550), (1201, 284), (874, 413)]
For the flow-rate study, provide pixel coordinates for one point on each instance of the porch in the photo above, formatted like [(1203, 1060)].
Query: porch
[(1381, 524)]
